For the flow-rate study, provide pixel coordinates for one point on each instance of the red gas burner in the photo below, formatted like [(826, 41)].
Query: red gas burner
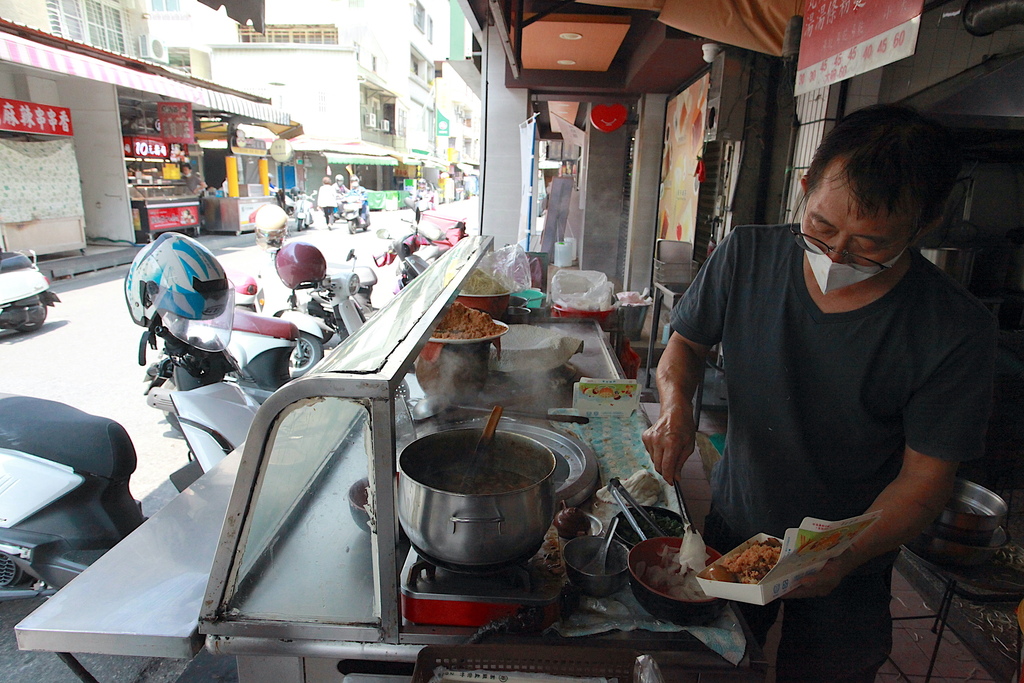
[(443, 597)]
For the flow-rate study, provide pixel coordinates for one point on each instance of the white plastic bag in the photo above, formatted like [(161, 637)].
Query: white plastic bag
[(506, 269), (582, 290)]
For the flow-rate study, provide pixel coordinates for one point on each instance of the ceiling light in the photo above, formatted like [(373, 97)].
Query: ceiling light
[(566, 62), (570, 36)]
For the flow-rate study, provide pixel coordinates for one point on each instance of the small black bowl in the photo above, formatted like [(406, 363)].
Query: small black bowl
[(358, 496), (671, 523)]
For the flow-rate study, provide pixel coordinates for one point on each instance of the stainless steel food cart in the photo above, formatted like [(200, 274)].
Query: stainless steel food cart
[(280, 573)]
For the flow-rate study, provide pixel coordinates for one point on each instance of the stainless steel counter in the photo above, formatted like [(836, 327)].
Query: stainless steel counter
[(144, 597)]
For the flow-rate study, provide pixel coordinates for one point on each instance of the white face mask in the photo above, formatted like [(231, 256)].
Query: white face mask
[(831, 276)]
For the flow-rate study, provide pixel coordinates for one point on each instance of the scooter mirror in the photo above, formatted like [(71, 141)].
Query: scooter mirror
[(382, 234), (351, 255)]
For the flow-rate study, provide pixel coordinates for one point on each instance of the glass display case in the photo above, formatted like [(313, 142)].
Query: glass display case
[(296, 559)]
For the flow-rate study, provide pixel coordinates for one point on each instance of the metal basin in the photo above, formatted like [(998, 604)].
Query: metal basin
[(971, 516), (945, 551)]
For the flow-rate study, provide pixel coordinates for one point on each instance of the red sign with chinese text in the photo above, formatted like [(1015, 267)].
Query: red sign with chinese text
[(169, 218), (146, 147), (843, 38), (28, 117), (176, 121)]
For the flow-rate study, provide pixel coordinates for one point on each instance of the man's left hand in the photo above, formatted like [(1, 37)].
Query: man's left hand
[(828, 577)]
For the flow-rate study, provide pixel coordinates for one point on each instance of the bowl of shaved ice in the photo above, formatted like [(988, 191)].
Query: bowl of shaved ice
[(663, 578)]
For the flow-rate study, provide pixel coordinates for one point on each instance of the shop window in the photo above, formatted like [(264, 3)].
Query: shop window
[(419, 17)]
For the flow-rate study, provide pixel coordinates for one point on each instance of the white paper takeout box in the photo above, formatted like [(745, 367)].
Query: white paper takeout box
[(606, 397), (805, 550)]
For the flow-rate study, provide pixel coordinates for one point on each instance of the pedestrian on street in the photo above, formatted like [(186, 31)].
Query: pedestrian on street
[(327, 200)]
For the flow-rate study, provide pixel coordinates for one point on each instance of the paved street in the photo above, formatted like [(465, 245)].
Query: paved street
[(85, 356)]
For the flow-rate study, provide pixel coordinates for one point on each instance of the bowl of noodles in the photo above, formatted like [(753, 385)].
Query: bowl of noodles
[(485, 292)]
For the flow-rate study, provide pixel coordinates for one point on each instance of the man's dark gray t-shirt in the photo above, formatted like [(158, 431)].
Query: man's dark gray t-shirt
[(821, 405)]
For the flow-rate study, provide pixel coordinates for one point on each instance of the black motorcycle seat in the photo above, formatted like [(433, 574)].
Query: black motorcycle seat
[(55, 431), (13, 260)]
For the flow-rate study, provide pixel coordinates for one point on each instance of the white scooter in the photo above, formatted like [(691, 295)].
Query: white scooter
[(65, 499), (24, 293)]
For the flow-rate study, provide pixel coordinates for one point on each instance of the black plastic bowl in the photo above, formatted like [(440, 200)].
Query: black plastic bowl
[(663, 605), (624, 532), (358, 495)]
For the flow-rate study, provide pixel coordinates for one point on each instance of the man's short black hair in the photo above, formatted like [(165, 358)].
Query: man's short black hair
[(186, 165), (894, 160)]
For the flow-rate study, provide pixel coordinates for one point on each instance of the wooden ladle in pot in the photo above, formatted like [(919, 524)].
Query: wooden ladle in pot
[(482, 446)]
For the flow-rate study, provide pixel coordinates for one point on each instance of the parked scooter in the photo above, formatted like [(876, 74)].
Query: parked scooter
[(422, 245), (24, 293), (65, 499), (173, 277), (339, 300), (303, 209)]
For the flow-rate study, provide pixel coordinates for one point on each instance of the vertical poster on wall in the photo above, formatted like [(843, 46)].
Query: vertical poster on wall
[(684, 141)]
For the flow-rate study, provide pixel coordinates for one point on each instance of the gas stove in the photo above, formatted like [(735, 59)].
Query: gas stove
[(445, 597)]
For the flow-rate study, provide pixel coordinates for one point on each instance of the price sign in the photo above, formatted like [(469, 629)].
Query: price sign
[(176, 121), (843, 38), (146, 147)]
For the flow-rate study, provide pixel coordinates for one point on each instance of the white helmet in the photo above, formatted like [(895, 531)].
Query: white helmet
[(271, 226), (177, 282)]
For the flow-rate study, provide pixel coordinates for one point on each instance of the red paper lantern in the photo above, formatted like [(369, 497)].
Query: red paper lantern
[(608, 117)]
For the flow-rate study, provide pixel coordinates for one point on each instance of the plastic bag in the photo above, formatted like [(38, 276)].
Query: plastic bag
[(506, 270), (582, 290)]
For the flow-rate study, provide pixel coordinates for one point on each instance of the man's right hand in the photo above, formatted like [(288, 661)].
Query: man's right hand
[(670, 441)]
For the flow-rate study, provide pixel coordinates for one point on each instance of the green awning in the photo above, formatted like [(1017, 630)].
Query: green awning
[(359, 159)]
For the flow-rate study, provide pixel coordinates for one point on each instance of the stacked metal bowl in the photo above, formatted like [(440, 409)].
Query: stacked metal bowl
[(969, 530)]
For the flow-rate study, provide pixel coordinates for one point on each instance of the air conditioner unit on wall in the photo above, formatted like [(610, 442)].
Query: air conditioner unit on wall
[(385, 125), (370, 120), (152, 49)]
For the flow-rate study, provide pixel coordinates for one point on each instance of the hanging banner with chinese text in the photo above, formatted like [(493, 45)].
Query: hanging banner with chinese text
[(28, 117), (843, 38), (176, 122)]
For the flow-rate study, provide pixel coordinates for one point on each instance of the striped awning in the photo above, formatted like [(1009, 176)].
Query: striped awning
[(29, 53)]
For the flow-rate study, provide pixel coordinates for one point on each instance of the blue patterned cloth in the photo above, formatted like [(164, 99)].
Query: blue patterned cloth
[(622, 612), (620, 452)]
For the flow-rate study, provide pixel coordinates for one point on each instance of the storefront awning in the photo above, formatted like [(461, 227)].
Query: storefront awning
[(364, 159), (26, 52)]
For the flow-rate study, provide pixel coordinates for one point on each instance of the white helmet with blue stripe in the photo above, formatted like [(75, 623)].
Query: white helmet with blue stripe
[(177, 282)]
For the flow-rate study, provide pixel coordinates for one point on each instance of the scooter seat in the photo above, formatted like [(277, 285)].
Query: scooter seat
[(13, 260), (57, 432), (265, 325)]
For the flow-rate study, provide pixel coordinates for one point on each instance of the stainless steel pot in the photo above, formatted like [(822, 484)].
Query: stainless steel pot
[(957, 263), (497, 520), (971, 516)]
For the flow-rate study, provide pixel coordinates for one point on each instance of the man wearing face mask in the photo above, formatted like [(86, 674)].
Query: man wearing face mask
[(858, 376)]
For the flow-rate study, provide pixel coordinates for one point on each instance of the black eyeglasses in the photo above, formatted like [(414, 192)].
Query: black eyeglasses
[(815, 246)]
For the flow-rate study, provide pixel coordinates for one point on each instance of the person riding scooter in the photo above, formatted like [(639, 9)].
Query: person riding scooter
[(354, 188)]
